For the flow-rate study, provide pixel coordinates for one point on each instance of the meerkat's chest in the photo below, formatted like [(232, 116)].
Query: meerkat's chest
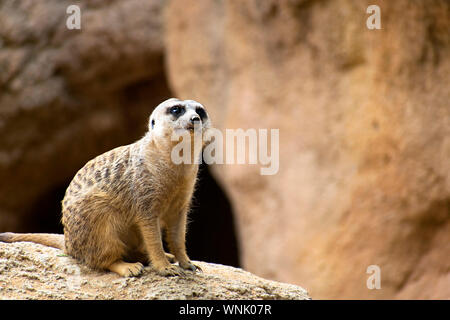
[(164, 191), (177, 196)]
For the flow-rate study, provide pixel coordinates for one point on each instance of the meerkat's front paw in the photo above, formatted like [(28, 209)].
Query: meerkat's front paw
[(170, 271), (190, 266)]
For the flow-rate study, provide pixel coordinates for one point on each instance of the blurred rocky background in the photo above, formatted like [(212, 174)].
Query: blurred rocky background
[(364, 120)]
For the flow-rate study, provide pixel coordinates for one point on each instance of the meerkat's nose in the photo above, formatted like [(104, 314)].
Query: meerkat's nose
[(195, 119)]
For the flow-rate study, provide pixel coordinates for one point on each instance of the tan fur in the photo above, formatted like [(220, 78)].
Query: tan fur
[(118, 203)]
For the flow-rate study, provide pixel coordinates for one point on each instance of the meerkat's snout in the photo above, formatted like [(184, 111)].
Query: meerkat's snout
[(195, 119), (194, 123)]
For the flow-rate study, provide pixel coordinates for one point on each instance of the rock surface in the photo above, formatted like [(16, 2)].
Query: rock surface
[(33, 271)]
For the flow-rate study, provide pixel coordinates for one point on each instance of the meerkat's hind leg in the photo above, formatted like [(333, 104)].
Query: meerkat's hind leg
[(126, 269), (106, 248)]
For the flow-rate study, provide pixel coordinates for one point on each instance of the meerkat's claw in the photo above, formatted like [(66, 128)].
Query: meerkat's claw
[(197, 268), (190, 266), (171, 271)]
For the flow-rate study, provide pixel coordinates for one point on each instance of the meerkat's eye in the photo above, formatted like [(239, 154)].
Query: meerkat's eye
[(176, 110), (201, 112), (153, 123)]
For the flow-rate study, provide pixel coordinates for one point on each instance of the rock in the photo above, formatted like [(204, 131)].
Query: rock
[(364, 124), (33, 271)]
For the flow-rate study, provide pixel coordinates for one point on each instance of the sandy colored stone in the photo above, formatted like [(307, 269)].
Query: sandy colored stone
[(33, 271)]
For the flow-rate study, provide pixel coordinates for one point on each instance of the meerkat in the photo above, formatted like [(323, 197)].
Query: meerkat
[(117, 205)]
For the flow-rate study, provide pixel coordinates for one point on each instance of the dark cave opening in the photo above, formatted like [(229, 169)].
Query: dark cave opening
[(45, 214), (211, 235)]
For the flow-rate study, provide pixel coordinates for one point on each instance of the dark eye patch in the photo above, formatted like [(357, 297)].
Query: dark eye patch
[(176, 110), (202, 113), (153, 123)]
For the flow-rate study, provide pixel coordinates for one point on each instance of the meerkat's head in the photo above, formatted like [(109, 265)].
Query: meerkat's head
[(179, 116)]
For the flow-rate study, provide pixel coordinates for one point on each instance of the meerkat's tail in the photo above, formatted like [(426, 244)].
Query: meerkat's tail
[(48, 239)]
